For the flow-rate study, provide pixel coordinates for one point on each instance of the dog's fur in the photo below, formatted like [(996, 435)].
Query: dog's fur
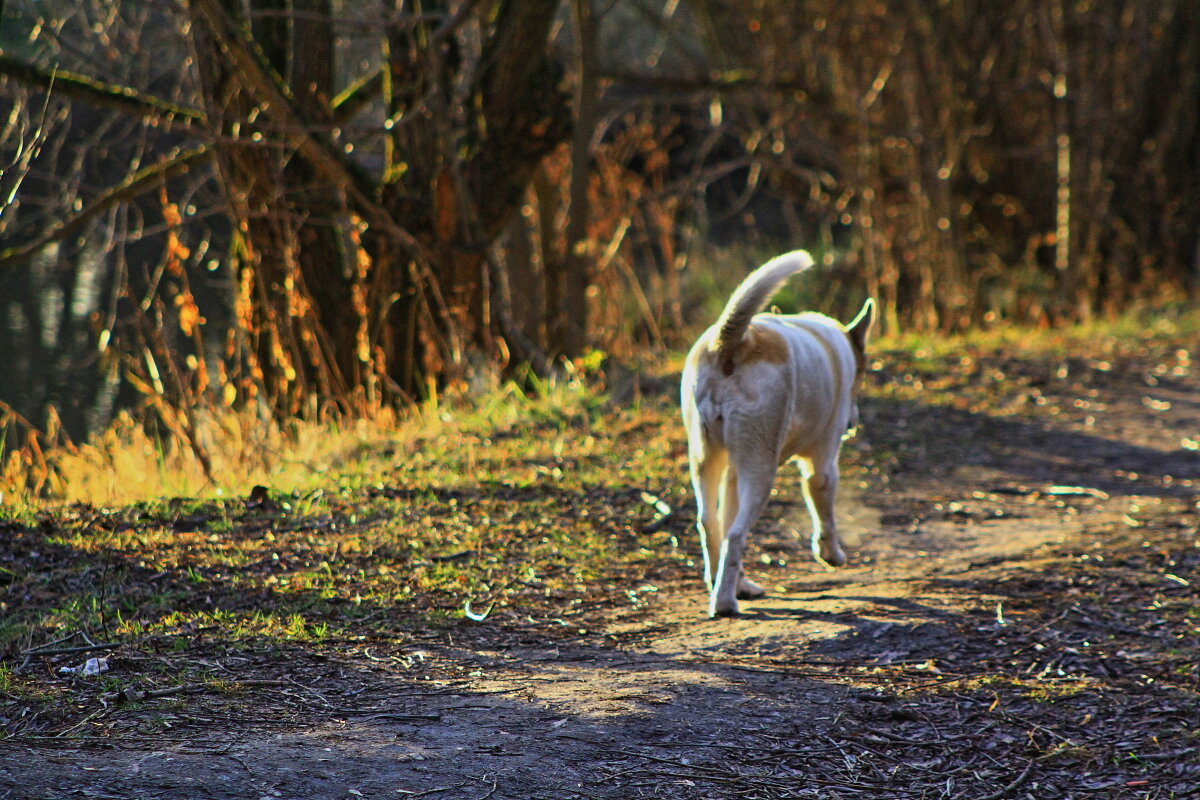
[(757, 390)]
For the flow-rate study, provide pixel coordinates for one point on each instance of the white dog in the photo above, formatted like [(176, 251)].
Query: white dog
[(759, 389)]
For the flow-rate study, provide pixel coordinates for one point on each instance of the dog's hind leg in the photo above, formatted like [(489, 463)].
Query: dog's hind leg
[(708, 469), (820, 493), (746, 490)]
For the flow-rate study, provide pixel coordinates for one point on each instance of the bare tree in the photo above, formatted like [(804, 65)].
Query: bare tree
[(330, 180)]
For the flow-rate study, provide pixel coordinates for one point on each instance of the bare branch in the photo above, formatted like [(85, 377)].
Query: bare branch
[(357, 95), (134, 185), (122, 98), (278, 103)]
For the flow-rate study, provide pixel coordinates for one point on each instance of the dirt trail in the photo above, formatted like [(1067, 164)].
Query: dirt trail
[(899, 588), (981, 645)]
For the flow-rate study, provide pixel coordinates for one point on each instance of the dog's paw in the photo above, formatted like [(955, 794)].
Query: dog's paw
[(717, 608), (748, 589), (829, 554)]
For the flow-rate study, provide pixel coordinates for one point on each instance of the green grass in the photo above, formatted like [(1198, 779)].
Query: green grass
[(8, 681), (1125, 334)]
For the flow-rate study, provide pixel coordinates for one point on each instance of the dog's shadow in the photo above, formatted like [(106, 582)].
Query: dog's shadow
[(782, 607)]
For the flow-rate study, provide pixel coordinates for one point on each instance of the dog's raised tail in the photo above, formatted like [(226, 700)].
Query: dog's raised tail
[(750, 298)]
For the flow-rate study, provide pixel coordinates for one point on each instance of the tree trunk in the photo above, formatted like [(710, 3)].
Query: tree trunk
[(314, 294), (327, 264), (571, 337)]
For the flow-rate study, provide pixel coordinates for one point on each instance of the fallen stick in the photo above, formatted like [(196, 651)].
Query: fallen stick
[(134, 695), (59, 651)]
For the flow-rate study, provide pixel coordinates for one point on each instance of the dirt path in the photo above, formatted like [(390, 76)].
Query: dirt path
[(1018, 621)]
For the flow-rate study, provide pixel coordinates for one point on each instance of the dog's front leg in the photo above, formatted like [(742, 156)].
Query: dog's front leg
[(752, 489), (746, 588)]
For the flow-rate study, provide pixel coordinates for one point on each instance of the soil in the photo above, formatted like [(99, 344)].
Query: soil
[(1018, 620)]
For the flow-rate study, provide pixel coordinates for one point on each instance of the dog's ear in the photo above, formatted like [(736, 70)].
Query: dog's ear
[(860, 328)]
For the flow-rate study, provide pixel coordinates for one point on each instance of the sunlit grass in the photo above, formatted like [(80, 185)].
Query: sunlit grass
[(1124, 333), (1007, 370), (129, 462), (257, 624), (132, 462)]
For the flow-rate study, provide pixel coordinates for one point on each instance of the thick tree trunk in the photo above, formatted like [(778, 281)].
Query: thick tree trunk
[(268, 321), (303, 305), (327, 264), (455, 206)]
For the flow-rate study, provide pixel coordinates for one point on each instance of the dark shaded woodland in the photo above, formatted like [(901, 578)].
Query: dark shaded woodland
[(318, 205)]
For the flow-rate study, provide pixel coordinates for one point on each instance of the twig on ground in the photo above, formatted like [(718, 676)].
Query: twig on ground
[(132, 695), (491, 791), (59, 651), (999, 793)]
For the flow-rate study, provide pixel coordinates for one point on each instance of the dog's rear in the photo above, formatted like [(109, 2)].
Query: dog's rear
[(758, 390)]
